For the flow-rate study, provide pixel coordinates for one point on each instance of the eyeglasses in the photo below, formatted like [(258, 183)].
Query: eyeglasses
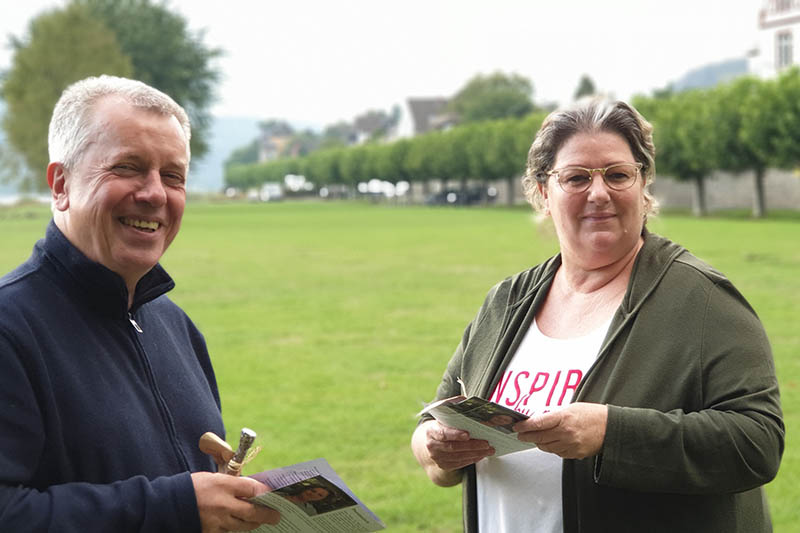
[(619, 177)]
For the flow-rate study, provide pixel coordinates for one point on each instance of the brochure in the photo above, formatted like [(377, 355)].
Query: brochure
[(482, 419), (312, 498)]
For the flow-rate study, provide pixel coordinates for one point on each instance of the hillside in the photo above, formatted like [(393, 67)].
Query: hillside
[(227, 134)]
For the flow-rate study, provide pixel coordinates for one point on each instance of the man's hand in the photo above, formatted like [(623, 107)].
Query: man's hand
[(443, 451), (222, 506), (576, 432)]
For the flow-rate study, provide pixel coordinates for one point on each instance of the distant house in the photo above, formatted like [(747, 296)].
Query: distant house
[(270, 148), (421, 115), (376, 124), (778, 38)]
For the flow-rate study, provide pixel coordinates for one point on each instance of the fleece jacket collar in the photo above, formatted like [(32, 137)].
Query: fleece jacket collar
[(102, 288)]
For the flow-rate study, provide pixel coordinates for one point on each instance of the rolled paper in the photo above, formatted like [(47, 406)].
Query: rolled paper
[(219, 450)]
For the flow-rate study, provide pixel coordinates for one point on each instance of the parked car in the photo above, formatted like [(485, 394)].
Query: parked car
[(472, 196), (270, 192)]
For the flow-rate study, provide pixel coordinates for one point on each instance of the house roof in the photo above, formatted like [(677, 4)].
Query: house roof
[(424, 110)]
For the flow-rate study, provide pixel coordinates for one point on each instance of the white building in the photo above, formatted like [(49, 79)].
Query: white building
[(778, 38)]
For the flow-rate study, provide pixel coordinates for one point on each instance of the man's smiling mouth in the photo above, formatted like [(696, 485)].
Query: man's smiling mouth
[(145, 225)]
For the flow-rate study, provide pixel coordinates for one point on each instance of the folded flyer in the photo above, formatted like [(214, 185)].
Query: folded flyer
[(482, 419), (312, 498)]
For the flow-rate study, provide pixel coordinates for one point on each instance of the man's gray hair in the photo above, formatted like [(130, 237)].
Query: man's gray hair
[(591, 115), (71, 125)]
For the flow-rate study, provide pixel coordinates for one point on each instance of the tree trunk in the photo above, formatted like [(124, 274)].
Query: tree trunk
[(699, 208), (759, 202), (511, 186)]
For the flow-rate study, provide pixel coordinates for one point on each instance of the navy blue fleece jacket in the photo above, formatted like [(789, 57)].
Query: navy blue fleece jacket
[(101, 408)]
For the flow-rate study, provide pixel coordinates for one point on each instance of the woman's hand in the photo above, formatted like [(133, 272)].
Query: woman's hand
[(575, 432), (443, 451)]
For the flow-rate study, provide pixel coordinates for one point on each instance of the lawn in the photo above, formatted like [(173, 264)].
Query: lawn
[(330, 324)]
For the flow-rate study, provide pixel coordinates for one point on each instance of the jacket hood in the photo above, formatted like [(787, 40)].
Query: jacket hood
[(650, 265)]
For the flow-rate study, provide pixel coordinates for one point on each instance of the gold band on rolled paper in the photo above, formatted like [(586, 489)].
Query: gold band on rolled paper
[(234, 468)]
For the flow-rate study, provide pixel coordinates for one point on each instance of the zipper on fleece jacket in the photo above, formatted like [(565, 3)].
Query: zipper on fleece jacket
[(162, 404), (134, 323)]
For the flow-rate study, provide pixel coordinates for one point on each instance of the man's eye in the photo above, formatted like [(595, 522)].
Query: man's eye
[(174, 178)]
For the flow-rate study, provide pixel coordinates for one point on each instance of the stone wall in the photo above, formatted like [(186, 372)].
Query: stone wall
[(729, 191)]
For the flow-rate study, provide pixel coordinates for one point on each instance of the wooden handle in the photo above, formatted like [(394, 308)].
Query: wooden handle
[(219, 450)]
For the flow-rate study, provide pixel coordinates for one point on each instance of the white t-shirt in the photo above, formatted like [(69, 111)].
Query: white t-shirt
[(521, 492)]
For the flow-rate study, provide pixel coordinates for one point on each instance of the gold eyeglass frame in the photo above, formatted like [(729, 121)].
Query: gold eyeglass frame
[(591, 171)]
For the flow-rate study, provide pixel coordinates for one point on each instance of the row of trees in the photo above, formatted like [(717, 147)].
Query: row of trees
[(743, 127), (497, 119), (484, 151), (141, 39)]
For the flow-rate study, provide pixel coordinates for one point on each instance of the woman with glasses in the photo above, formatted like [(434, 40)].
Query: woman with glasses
[(647, 377)]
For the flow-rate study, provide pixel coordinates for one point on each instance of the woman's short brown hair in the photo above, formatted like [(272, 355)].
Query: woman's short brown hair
[(590, 116)]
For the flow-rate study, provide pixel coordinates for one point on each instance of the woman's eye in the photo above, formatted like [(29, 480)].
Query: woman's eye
[(576, 179)]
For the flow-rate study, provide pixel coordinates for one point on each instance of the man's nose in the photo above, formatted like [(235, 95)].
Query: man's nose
[(152, 190)]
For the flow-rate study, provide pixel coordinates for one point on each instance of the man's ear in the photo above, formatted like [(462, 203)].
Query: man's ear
[(57, 181)]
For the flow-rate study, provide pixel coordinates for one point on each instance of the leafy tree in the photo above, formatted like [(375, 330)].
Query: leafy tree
[(322, 166), (441, 156), (462, 148), (338, 135), (242, 177), (507, 149), (166, 55), (480, 140), (745, 123), (784, 96), (416, 164), (373, 166), (61, 47), (757, 125), (684, 133), (303, 143), (585, 87), (492, 97), (664, 92), (275, 128), (13, 169), (390, 166), (244, 155), (353, 164)]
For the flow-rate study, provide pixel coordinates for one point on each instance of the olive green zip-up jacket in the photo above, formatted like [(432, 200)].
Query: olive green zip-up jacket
[(694, 422)]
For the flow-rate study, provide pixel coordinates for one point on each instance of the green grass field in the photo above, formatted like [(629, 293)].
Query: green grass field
[(330, 324)]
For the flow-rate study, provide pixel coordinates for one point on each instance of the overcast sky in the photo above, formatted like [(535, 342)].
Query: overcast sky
[(318, 61)]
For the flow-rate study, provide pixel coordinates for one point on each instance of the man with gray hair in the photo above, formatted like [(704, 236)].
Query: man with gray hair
[(106, 384)]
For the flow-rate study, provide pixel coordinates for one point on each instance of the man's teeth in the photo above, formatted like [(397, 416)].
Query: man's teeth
[(141, 224)]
